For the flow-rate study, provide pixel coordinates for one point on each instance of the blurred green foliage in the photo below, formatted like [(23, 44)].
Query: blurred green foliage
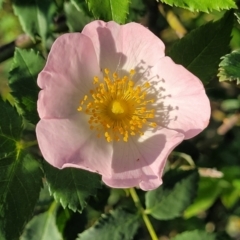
[(216, 208)]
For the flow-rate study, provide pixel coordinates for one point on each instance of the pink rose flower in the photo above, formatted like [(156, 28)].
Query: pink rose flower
[(113, 103)]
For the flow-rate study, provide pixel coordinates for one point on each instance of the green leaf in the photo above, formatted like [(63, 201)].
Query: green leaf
[(20, 176), (71, 186), (10, 127), (118, 225), (174, 196), (196, 235), (237, 14), (108, 10), (230, 193), (62, 218), (230, 67), (43, 226), (23, 81), (76, 17), (202, 5), (137, 10), (1, 2), (208, 191), (200, 50), (35, 16), (223, 236), (230, 105), (229, 197)]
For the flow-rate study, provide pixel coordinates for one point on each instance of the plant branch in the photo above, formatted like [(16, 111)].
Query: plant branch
[(144, 215), (22, 41)]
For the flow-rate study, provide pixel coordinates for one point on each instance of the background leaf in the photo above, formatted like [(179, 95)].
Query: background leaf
[(208, 191), (202, 5), (118, 225), (108, 10), (35, 16), (71, 186), (23, 81), (77, 16), (20, 176), (174, 196), (230, 67), (231, 186), (43, 226), (200, 50), (196, 235)]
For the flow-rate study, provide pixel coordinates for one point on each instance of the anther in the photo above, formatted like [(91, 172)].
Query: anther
[(117, 108)]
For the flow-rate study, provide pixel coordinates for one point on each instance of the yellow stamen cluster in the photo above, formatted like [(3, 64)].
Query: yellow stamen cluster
[(117, 108)]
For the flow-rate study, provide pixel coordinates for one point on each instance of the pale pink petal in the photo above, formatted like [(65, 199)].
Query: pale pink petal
[(181, 97), (144, 50), (67, 76), (104, 35), (140, 162), (124, 47), (70, 143), (57, 100)]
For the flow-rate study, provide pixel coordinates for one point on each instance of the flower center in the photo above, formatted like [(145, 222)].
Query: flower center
[(117, 108)]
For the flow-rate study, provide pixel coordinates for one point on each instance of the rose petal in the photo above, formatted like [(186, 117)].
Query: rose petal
[(118, 48), (140, 162), (143, 51), (103, 36), (183, 98), (70, 143), (67, 76)]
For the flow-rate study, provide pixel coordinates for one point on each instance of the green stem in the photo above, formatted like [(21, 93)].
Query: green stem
[(144, 215), (52, 207), (23, 145), (184, 156)]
